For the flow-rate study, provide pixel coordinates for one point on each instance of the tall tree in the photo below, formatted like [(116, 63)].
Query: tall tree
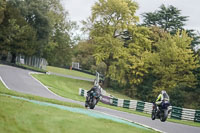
[(16, 36), (108, 21), (168, 18), (176, 63)]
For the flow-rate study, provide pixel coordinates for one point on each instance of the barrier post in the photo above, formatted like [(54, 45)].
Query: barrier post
[(140, 106)]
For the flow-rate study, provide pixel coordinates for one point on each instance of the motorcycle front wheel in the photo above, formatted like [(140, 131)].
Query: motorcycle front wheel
[(163, 118), (93, 103)]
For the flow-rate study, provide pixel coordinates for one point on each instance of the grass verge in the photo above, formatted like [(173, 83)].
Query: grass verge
[(69, 88), (21, 117), (69, 72)]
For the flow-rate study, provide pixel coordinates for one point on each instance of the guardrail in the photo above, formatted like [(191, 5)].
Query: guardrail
[(146, 107)]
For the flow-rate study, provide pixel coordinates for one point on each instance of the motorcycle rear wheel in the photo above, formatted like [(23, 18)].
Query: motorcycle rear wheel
[(153, 115)]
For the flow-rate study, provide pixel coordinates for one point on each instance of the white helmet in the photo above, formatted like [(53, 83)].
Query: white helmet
[(163, 91)]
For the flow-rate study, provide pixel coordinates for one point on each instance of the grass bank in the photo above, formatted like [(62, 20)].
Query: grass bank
[(69, 72), (21, 117)]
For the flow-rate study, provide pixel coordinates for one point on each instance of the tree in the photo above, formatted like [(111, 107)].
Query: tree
[(2, 9), (176, 63), (167, 18), (37, 28), (83, 53), (16, 36), (107, 23), (170, 19), (195, 39), (60, 53)]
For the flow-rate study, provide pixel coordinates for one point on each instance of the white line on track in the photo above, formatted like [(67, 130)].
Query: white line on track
[(131, 121), (4, 83), (43, 84)]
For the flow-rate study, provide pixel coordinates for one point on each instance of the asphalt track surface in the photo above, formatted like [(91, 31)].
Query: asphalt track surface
[(20, 80)]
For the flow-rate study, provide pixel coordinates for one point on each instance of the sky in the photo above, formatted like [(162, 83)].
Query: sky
[(81, 9)]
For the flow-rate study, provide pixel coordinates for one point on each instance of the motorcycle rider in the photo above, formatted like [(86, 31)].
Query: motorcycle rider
[(97, 90), (161, 97)]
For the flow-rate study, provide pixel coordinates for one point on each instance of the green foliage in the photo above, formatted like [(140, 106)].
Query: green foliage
[(177, 97), (59, 52), (168, 18), (2, 9), (83, 53), (195, 38), (16, 36), (176, 63), (39, 28), (139, 50), (106, 25)]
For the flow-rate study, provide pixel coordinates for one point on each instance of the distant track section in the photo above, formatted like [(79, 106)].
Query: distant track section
[(72, 77)]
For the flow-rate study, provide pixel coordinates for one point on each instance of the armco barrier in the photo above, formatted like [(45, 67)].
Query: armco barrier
[(176, 112), (133, 104), (114, 101), (126, 104), (148, 107), (197, 116), (140, 106), (188, 114), (120, 102)]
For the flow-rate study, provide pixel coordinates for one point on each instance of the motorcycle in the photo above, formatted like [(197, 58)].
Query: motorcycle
[(93, 98), (162, 111)]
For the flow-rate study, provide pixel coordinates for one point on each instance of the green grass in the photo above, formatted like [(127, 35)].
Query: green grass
[(80, 74), (117, 94), (69, 88), (21, 117), (65, 87), (70, 72)]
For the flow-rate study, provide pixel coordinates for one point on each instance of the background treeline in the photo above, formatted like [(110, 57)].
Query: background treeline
[(36, 27), (139, 60)]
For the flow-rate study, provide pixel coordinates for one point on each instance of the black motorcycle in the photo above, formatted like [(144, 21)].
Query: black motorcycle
[(162, 111), (93, 99)]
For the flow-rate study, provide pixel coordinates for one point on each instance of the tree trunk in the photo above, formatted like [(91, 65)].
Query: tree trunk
[(4, 57), (13, 58)]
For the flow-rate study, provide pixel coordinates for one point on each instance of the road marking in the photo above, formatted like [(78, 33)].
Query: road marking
[(4, 83), (43, 84), (131, 121)]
